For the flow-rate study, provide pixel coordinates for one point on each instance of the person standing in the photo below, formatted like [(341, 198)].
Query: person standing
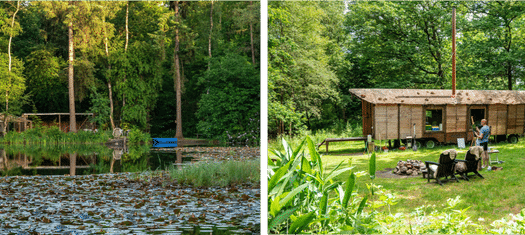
[(484, 141)]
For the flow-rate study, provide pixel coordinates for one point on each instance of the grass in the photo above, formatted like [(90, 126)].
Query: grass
[(53, 135), (496, 196), (218, 173)]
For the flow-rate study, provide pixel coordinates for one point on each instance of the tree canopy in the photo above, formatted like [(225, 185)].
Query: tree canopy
[(123, 62), (318, 50)]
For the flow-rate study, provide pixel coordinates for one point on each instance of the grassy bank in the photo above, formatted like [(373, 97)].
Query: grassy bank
[(223, 174), (53, 135)]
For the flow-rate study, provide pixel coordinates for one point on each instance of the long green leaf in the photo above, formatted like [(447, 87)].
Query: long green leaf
[(335, 174), (323, 204), (288, 151), (275, 206), (305, 166), (296, 151), (372, 166), (362, 205), (311, 149), (349, 188), (277, 176), (281, 218), (293, 193), (301, 223)]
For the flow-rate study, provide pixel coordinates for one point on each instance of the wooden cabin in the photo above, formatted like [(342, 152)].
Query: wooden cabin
[(434, 116)]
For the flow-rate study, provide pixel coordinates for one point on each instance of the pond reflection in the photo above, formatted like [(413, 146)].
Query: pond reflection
[(79, 159), (88, 159)]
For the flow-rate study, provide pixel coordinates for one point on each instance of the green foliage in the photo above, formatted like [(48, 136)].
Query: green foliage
[(300, 48), (100, 106), (304, 197), (228, 173), (232, 99), (12, 84), (136, 136), (53, 135)]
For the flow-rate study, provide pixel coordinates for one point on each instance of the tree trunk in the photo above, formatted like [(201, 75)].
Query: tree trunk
[(72, 114), (177, 78), (125, 51), (251, 39), (211, 31), (6, 116), (109, 80)]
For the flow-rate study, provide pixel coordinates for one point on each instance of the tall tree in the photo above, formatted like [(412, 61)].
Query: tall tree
[(12, 30), (177, 76), (495, 42), (299, 76), (71, 73)]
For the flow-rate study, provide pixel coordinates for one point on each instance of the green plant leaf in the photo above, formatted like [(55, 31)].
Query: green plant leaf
[(275, 206), (288, 151), (323, 204), (303, 221), (314, 155), (305, 166), (362, 205), (372, 166), (278, 175), (349, 188), (293, 193), (281, 218), (336, 173)]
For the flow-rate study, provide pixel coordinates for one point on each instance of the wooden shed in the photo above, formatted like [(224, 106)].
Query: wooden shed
[(433, 115)]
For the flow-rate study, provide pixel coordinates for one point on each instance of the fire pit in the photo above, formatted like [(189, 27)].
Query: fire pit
[(410, 167)]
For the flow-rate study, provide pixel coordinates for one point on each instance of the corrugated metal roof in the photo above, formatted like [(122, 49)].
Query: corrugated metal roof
[(439, 97)]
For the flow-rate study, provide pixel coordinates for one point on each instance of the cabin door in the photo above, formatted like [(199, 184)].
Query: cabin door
[(477, 113)]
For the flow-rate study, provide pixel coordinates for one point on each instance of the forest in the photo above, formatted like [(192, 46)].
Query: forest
[(319, 50), (174, 69)]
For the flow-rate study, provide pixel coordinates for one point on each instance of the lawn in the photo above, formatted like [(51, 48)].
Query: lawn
[(500, 193)]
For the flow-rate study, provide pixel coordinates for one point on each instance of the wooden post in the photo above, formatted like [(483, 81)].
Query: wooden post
[(59, 123), (327, 146)]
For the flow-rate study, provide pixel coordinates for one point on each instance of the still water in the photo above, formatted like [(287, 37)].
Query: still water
[(86, 189)]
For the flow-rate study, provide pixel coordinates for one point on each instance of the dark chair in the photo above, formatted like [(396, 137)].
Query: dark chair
[(471, 162), (445, 168)]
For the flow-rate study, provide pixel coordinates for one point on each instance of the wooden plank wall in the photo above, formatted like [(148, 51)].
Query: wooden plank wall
[(516, 119), (380, 122), (386, 122), (418, 118), (461, 111), (410, 115), (451, 119), (405, 121), (456, 118), (498, 119)]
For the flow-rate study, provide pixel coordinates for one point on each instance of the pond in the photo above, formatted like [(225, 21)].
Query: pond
[(86, 189)]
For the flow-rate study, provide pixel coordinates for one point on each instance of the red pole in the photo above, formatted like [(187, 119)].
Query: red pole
[(453, 52)]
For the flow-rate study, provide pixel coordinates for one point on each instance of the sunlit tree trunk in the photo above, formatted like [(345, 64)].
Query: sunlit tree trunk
[(126, 51), (6, 116), (72, 115), (109, 80)]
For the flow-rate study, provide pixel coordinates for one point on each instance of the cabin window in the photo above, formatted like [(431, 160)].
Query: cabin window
[(477, 115), (434, 120)]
